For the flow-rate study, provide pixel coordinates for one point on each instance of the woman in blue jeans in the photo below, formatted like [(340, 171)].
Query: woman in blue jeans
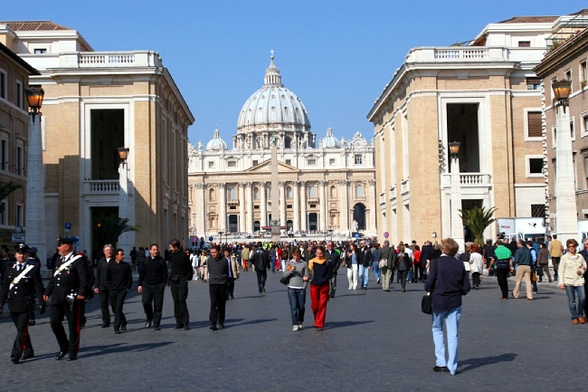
[(447, 282), (297, 271)]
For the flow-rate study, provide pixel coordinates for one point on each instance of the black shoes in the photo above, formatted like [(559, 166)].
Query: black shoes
[(14, 360), (117, 331), (105, 325), (179, 326), (27, 356), (72, 358), (157, 328), (221, 326), (440, 369), (123, 327), (148, 324), (60, 355), (213, 327), (186, 327)]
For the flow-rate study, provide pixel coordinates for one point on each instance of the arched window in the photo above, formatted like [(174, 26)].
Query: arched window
[(289, 192), (256, 193), (359, 191), (333, 192), (211, 194), (312, 191)]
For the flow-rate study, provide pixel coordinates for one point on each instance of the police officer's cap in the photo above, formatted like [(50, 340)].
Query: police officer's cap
[(22, 248), (64, 240)]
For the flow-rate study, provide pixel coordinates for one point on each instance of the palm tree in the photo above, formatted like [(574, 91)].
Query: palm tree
[(6, 188), (477, 219), (110, 227)]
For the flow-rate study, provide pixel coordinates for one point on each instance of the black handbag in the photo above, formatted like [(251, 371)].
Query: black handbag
[(426, 306), (285, 279)]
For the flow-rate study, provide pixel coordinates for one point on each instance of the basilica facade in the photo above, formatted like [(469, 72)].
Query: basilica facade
[(325, 185)]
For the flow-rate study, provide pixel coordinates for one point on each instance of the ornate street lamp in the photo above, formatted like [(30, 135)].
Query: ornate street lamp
[(565, 194), (123, 154), (35, 187), (454, 149)]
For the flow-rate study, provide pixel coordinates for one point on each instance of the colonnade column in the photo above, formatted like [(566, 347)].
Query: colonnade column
[(248, 208), (283, 204), (372, 211), (242, 206), (263, 206), (222, 226), (322, 205), (303, 217), (296, 205), (200, 209), (345, 207)]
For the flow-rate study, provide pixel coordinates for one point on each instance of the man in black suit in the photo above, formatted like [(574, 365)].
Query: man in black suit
[(19, 286), (67, 290), (334, 259), (152, 280), (181, 273), (120, 280), (101, 287)]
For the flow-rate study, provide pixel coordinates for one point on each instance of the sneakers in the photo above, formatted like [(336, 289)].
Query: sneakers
[(582, 320), (300, 326), (295, 328)]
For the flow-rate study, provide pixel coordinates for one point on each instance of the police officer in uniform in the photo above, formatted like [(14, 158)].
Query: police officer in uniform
[(67, 289), (19, 286), (34, 260)]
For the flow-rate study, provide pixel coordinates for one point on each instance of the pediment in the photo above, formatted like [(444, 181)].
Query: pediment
[(265, 167)]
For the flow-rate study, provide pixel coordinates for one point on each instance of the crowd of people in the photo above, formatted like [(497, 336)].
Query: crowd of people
[(446, 274)]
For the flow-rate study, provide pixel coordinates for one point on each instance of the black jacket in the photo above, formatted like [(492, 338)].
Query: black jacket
[(101, 269), (153, 271), (181, 265), (71, 280), (21, 298), (364, 256), (119, 276), (260, 259), (334, 259)]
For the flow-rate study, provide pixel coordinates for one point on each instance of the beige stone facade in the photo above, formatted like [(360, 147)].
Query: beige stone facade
[(485, 96), (567, 59), (325, 186), (14, 121), (94, 103)]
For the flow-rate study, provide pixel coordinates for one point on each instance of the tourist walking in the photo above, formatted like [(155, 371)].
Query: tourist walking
[(297, 273), (321, 271), (447, 282), (572, 267)]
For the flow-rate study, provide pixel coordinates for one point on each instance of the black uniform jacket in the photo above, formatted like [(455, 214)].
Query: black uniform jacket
[(72, 279), (101, 273), (22, 295)]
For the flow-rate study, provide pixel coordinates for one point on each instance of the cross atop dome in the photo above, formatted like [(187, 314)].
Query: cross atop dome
[(272, 74)]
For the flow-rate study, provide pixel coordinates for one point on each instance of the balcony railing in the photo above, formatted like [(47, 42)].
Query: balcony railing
[(101, 187), (469, 180)]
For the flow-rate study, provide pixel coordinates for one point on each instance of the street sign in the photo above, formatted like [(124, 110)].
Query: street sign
[(67, 227), (210, 238)]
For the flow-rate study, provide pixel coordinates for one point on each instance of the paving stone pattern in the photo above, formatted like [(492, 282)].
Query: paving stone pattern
[(373, 341)]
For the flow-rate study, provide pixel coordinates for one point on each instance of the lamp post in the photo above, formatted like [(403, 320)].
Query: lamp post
[(456, 221), (123, 196), (566, 224), (35, 188)]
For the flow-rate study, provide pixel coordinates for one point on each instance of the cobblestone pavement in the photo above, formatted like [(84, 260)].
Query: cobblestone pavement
[(373, 340)]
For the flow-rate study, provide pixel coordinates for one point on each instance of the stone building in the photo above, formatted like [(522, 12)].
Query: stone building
[(484, 95), (96, 102), (325, 186), (567, 59), (14, 125)]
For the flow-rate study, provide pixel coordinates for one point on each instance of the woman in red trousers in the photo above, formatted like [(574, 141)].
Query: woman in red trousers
[(321, 271)]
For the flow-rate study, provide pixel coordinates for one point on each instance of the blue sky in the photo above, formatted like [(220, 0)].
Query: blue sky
[(337, 56)]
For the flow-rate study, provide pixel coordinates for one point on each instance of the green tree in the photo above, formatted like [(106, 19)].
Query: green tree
[(6, 188), (110, 227), (477, 219)]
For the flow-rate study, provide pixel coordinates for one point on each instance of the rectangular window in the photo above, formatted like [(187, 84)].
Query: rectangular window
[(288, 162), (210, 164), (2, 84), (232, 163), (538, 210), (4, 154), (332, 162), (19, 161), (255, 162), (40, 51), (533, 83), (358, 159), (19, 215), (586, 171), (534, 125), (534, 166), (311, 162), (4, 214), (585, 123), (572, 130), (524, 44), (19, 95), (583, 73)]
